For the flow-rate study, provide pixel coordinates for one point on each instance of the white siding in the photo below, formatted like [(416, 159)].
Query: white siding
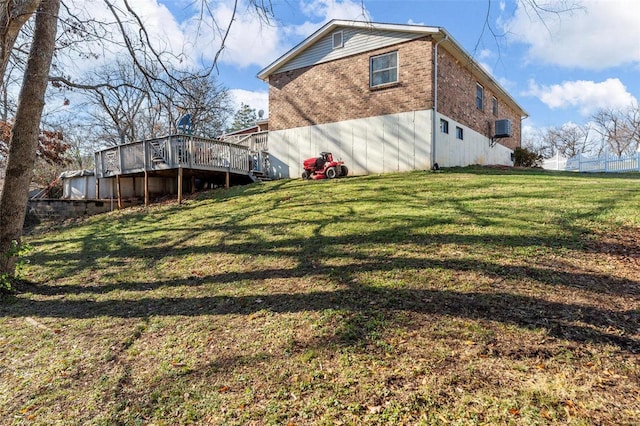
[(383, 144), (473, 149), (355, 41), (79, 188)]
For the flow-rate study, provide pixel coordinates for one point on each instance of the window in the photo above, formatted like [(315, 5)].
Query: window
[(384, 69), (494, 106), (459, 133), (337, 40), (444, 126), (479, 97)]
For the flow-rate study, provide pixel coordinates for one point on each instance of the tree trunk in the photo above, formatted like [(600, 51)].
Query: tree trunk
[(24, 137), (13, 15)]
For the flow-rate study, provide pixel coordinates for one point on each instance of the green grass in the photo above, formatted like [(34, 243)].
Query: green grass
[(472, 296)]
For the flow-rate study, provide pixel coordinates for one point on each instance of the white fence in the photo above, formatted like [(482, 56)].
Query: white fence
[(603, 164)]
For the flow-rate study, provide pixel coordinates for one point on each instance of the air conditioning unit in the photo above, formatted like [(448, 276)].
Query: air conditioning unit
[(503, 128)]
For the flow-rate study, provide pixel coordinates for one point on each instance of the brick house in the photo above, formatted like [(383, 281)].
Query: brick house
[(366, 92)]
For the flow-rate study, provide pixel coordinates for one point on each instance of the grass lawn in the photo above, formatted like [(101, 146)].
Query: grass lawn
[(471, 296)]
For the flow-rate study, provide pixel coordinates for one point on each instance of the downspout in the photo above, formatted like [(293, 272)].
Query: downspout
[(435, 100)]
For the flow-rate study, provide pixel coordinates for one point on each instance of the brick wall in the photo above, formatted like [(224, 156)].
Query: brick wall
[(339, 90), (457, 99)]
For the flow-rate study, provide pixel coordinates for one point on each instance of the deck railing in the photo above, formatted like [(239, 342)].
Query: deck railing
[(254, 141), (172, 152)]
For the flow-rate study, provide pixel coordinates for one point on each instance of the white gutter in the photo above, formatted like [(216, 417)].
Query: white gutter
[(434, 131)]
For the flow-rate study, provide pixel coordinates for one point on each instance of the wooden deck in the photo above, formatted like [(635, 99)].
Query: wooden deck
[(172, 155)]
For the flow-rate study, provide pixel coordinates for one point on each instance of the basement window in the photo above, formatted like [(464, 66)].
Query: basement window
[(384, 69), (337, 40), (479, 97), (459, 133), (444, 126)]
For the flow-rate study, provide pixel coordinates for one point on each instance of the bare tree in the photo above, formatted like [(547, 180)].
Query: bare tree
[(536, 143), (116, 100), (128, 109), (13, 15), (125, 31), (619, 128), (633, 119), (534, 9), (208, 103), (569, 139), (25, 133)]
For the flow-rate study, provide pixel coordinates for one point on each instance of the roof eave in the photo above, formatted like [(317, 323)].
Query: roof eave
[(444, 34), (332, 25), (438, 33)]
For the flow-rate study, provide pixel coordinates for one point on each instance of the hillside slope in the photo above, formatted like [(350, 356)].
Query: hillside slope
[(470, 296)]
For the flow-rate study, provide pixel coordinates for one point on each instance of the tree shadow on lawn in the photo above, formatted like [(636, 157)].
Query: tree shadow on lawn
[(117, 239), (571, 321), (310, 257), (596, 283)]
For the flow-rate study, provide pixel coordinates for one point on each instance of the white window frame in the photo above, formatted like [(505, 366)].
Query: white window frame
[(333, 40), (396, 68)]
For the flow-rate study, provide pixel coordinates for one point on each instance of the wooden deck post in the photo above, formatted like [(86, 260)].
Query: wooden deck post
[(119, 191), (97, 188), (180, 185), (146, 188), (226, 180)]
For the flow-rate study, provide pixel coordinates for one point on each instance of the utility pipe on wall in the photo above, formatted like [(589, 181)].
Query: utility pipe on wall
[(435, 100)]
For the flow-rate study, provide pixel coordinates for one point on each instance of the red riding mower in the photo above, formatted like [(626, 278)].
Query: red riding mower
[(323, 167)]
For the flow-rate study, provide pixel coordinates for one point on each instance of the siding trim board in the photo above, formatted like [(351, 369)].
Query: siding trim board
[(354, 41), (348, 26)]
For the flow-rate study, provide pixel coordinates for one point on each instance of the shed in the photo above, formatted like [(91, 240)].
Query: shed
[(78, 185)]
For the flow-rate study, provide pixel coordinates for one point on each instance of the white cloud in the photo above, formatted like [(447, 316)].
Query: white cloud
[(332, 9), (507, 84), (256, 100), (251, 40), (587, 96), (161, 25), (163, 30), (320, 12), (530, 133), (488, 68), (485, 53), (596, 35), (412, 22)]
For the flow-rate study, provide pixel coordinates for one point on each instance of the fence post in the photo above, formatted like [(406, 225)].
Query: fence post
[(579, 162)]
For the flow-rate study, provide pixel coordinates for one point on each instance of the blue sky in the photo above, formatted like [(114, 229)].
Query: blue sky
[(560, 67)]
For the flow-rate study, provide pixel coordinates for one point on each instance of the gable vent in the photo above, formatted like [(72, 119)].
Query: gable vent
[(337, 40)]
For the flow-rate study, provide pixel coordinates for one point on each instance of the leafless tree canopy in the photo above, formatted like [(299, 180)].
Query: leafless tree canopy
[(619, 129), (615, 131)]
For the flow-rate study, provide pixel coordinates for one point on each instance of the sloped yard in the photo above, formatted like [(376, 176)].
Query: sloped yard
[(469, 296)]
